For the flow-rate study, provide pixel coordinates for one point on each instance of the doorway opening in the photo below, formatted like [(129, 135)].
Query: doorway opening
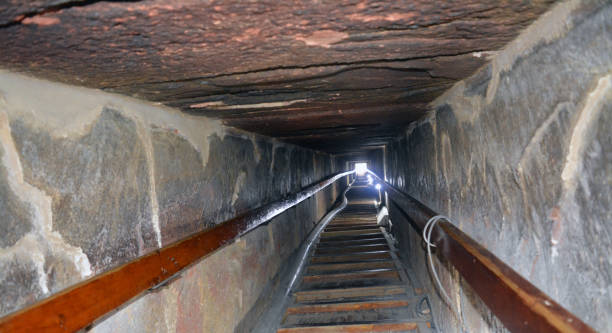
[(361, 168)]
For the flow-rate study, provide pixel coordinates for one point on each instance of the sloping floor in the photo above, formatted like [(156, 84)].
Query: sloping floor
[(354, 281)]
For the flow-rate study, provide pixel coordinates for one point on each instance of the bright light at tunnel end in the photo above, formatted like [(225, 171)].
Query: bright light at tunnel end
[(361, 168)]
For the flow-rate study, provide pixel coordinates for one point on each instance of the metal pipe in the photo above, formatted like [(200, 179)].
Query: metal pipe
[(82, 304), (312, 237), (274, 314)]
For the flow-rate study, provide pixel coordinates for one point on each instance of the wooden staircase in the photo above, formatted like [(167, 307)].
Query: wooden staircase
[(354, 281)]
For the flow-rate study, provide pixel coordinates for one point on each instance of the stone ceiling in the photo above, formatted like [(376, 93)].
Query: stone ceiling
[(335, 75)]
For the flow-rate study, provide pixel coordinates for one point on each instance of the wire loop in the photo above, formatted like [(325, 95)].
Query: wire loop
[(427, 230)]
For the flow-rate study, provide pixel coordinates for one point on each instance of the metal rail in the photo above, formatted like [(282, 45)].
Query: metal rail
[(269, 321), (79, 306), (519, 305)]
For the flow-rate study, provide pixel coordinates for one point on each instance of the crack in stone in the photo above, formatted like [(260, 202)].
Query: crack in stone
[(215, 101), (336, 73), (309, 66)]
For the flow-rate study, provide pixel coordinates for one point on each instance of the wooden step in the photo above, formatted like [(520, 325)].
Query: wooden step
[(384, 314), (347, 267), (354, 232), (349, 294), (351, 227), (382, 273), (348, 306), (353, 242), (351, 249), (377, 255), (354, 328), (353, 221), (337, 237), (351, 280)]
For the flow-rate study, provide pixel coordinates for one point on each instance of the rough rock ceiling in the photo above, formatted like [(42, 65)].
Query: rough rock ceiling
[(333, 75)]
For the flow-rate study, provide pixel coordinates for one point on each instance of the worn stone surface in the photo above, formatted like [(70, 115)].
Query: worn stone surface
[(193, 197), (518, 154), (99, 186), (215, 294), (19, 282), (181, 188), (519, 157), (104, 179), (14, 213), (35, 261), (334, 75)]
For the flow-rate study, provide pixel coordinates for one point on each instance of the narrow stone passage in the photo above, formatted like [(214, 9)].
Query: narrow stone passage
[(236, 166), (354, 282)]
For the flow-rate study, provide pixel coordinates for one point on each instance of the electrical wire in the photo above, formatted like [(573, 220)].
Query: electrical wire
[(427, 230)]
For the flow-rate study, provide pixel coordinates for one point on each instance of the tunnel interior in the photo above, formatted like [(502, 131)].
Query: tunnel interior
[(339, 77), (127, 127)]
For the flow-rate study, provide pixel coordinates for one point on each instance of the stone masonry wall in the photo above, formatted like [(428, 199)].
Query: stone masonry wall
[(520, 157), (90, 180)]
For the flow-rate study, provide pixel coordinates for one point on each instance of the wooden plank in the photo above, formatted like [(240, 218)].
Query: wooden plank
[(373, 274), (519, 305), (376, 315), (351, 237), (351, 249), (350, 306), (354, 221), (342, 233), (348, 293), (352, 257), (351, 242), (351, 227), (349, 266), (354, 328), (80, 305)]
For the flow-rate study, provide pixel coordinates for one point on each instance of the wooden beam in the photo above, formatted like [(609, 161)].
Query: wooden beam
[(79, 306), (519, 305)]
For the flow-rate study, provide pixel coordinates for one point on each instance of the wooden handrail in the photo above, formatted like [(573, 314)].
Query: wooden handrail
[(519, 305), (82, 304)]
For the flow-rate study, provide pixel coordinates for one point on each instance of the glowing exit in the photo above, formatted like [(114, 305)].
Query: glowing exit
[(361, 168)]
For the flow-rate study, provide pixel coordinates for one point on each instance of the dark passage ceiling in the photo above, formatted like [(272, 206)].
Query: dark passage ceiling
[(335, 75)]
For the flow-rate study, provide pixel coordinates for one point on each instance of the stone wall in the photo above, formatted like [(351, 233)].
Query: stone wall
[(90, 180), (520, 157)]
